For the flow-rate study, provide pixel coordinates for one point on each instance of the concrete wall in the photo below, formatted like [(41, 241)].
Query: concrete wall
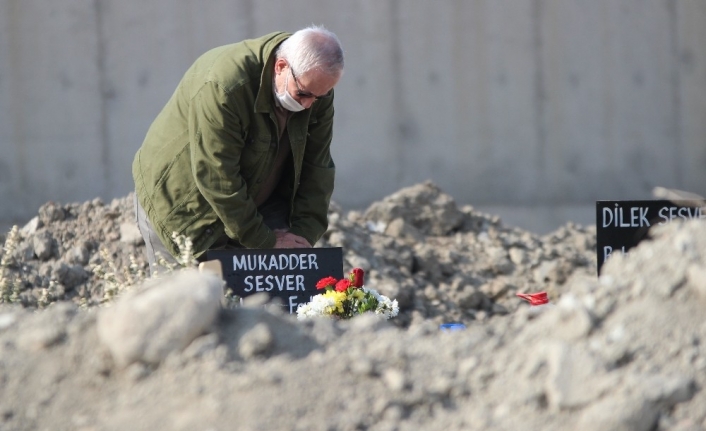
[(512, 102)]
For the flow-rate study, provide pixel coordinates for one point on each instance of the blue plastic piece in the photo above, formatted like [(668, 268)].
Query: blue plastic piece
[(452, 327)]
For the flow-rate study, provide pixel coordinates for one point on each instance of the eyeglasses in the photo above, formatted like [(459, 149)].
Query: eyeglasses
[(305, 94)]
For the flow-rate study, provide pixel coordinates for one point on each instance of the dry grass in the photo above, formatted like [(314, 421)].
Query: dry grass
[(119, 280), (10, 284), (115, 280)]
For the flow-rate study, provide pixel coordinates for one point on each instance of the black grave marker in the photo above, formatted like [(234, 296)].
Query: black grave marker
[(289, 274), (620, 225)]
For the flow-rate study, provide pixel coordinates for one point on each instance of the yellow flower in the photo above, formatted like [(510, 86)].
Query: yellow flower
[(338, 298), (358, 294)]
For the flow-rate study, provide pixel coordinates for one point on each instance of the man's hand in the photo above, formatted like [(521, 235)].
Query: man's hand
[(289, 240)]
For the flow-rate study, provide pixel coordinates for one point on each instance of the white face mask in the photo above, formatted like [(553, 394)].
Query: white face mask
[(286, 100)]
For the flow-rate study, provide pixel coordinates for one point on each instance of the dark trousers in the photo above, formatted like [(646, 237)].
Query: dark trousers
[(275, 212)]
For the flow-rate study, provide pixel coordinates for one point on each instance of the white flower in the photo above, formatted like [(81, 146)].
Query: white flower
[(386, 307), (314, 308)]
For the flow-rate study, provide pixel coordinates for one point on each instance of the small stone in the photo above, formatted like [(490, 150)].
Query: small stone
[(31, 227), (394, 379), (47, 328), (43, 244), (136, 372), (130, 234), (78, 255), (256, 342), (696, 276), (256, 300), (337, 239), (473, 299), (518, 256), (202, 345), (572, 319), (362, 367), (667, 390), (619, 412), (6, 320), (399, 229), (497, 288), (51, 212), (499, 261), (69, 276), (25, 252)]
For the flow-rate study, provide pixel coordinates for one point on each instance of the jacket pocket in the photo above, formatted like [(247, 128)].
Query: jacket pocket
[(208, 237)]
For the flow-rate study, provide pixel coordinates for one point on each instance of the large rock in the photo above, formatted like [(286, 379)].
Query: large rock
[(162, 317)]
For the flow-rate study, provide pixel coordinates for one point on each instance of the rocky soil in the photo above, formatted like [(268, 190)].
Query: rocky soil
[(619, 352)]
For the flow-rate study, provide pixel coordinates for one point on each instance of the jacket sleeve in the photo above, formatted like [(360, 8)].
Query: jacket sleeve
[(216, 148), (310, 209)]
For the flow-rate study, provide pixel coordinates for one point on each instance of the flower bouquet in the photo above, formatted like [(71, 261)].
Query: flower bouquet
[(347, 298)]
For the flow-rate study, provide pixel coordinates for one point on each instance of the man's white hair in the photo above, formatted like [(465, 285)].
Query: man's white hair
[(313, 47)]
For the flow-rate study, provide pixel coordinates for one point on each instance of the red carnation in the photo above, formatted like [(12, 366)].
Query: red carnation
[(357, 275), (326, 282), (342, 285)]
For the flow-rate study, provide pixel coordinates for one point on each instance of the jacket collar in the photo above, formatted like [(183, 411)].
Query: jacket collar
[(264, 102)]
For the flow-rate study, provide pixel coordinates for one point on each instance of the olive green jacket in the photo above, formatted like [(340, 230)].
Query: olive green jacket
[(209, 150)]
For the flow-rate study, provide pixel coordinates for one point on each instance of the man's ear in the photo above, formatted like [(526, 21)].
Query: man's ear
[(280, 64)]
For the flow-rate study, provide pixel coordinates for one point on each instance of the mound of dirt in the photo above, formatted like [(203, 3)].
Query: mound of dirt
[(619, 352), (441, 262)]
